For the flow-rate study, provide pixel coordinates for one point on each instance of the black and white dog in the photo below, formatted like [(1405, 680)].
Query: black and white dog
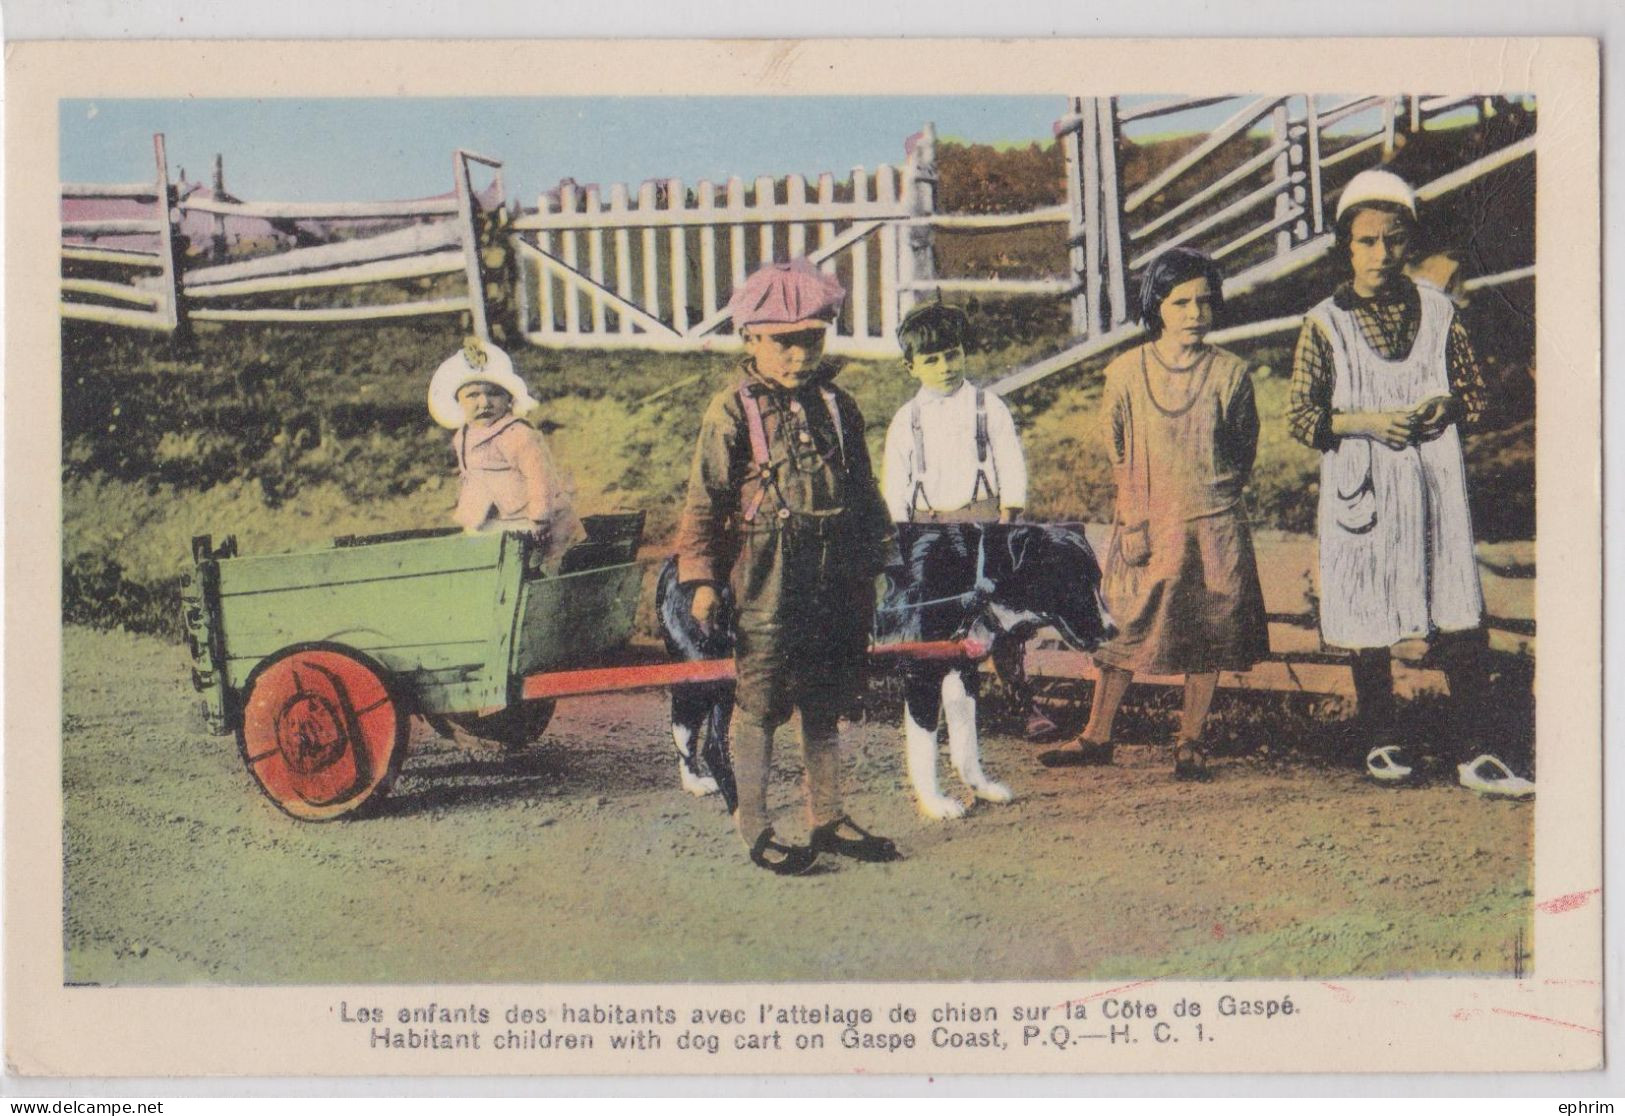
[(958, 580)]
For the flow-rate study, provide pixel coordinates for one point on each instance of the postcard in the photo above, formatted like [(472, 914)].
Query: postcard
[(803, 557)]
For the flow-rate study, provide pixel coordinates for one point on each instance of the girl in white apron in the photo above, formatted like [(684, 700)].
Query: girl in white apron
[(1383, 376)]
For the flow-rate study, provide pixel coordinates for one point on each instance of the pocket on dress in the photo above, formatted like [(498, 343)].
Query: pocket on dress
[(1349, 492), (1134, 542)]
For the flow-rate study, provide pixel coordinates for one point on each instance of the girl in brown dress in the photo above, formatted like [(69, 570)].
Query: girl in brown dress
[(1180, 580)]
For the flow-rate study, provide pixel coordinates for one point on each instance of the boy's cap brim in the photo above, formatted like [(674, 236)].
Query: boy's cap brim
[(787, 327)]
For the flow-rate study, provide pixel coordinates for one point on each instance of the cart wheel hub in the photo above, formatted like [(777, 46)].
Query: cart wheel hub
[(309, 734)]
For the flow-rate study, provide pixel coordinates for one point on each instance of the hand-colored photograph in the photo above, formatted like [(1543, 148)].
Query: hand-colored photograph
[(648, 540)]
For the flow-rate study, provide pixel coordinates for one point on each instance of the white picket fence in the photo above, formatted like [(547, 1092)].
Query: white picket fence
[(444, 241), (654, 268)]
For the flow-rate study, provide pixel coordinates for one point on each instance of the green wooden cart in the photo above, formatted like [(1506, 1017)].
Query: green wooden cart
[(318, 659)]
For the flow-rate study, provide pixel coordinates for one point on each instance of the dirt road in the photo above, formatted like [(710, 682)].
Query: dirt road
[(581, 860)]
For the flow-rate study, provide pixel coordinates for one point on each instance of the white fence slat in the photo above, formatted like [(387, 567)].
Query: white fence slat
[(623, 255), (544, 278), (777, 213), (1348, 108), (1512, 276), (624, 308), (1237, 124), (651, 251), (595, 260), (119, 226), (417, 240), (128, 257), (1208, 193), (819, 257), (114, 315), (826, 229), (796, 198), (1476, 169), (1351, 151), (677, 199), (139, 191), (1281, 173), (572, 297), (123, 292), (522, 269), (765, 200), (324, 211), (707, 199), (339, 313), (1169, 105), (859, 298), (1044, 215), (406, 267), (736, 234), (886, 190), (1263, 230)]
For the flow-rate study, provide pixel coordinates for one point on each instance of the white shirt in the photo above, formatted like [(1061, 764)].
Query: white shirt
[(948, 426)]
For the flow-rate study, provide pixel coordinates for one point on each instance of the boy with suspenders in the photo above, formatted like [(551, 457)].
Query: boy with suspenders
[(782, 506), (953, 456)]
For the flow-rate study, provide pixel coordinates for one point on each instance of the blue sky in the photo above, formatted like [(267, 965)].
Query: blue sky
[(375, 149)]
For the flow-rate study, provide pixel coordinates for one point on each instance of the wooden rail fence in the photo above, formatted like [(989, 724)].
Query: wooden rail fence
[(434, 237)]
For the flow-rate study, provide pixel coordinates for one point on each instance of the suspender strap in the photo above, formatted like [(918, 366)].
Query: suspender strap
[(981, 426), (834, 407), (758, 449), (918, 496)]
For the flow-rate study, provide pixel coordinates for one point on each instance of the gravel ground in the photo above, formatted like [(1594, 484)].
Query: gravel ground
[(582, 860)]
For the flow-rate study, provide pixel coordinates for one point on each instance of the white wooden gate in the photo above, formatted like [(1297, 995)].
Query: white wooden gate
[(654, 268)]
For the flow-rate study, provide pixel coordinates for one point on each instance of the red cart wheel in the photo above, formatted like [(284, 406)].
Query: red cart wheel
[(322, 730)]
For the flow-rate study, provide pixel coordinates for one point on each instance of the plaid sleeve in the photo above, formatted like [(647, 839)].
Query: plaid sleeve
[(1309, 402), (1466, 375)]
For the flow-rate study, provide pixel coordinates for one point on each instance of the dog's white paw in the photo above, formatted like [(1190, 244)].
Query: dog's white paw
[(697, 785), (991, 791), (941, 808)]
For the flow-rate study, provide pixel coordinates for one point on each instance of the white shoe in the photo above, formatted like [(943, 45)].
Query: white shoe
[(1384, 764), (1489, 776)]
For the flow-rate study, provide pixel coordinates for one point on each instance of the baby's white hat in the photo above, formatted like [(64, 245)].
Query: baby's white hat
[(476, 362)]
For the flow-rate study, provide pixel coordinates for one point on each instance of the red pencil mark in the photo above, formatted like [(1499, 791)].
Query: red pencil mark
[(1108, 992), (1218, 932), (1344, 996), (1462, 1015), (1545, 1019), (1571, 902)]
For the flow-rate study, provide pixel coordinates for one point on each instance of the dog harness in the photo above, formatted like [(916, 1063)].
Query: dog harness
[(918, 496), (764, 474)]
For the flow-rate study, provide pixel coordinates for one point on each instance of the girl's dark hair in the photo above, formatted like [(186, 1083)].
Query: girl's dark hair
[(1169, 270), (1345, 224)]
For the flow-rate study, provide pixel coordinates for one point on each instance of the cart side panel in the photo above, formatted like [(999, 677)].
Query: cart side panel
[(576, 618), (421, 608)]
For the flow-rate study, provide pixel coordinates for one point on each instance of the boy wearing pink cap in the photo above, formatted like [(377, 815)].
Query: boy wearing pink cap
[(783, 506)]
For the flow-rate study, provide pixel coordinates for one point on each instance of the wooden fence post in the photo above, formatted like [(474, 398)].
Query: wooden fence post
[(918, 262), (471, 246), (1317, 204), (568, 253), (648, 203), (170, 308), (1076, 156), (1112, 211), (677, 200), (1281, 175)]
